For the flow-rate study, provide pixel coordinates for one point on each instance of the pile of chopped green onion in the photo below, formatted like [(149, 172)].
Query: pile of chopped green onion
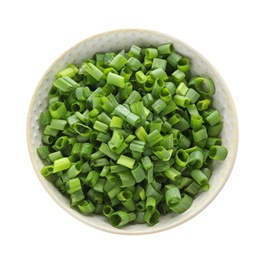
[(131, 135)]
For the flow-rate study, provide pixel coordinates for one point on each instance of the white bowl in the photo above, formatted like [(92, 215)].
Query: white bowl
[(115, 41)]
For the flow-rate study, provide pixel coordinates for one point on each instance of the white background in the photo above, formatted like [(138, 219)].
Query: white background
[(230, 34)]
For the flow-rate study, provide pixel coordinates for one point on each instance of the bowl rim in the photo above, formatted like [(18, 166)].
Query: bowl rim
[(149, 230)]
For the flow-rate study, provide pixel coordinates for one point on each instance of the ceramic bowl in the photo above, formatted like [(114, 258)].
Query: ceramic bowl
[(115, 41)]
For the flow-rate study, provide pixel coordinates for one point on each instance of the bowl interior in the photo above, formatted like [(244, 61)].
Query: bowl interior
[(116, 41)]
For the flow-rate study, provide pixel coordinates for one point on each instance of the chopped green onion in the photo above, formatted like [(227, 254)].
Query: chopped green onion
[(126, 161), (166, 48), (115, 80), (205, 86), (218, 153), (121, 218), (131, 135), (86, 207), (61, 164)]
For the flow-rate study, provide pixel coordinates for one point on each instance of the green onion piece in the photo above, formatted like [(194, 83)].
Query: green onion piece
[(104, 118), (146, 162), (106, 104), (73, 185), (57, 110), (193, 188), (134, 51), (107, 211), (199, 177), (166, 48), (151, 217), (125, 197), (213, 141), (82, 130), (158, 106), (154, 137), (162, 153), (78, 106), (116, 122), (86, 207), (43, 152), (58, 124), (140, 77), (213, 118), (173, 59), (183, 64), (138, 173), (126, 179), (105, 149), (203, 104), (76, 198), (70, 72), (157, 87), (153, 190), (92, 178), (158, 73), (116, 140), (101, 127), (192, 95), (218, 153), (126, 73), (133, 98), (138, 109), (61, 164), (182, 89), (214, 131), (174, 119), (74, 170), (137, 146), (65, 84), (126, 161), (45, 118), (165, 95), (141, 133), (150, 204), (61, 143), (121, 112), (114, 191), (196, 159), (159, 63), (178, 76), (115, 80), (181, 158), (171, 107), (82, 93), (47, 170), (93, 71), (118, 62), (184, 204), (141, 206), (181, 101), (133, 63), (108, 57), (47, 139), (132, 119), (200, 134), (172, 195), (121, 218), (151, 53), (172, 174), (196, 122), (205, 86)]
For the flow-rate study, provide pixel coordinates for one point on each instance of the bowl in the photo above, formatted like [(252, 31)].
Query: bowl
[(115, 41)]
